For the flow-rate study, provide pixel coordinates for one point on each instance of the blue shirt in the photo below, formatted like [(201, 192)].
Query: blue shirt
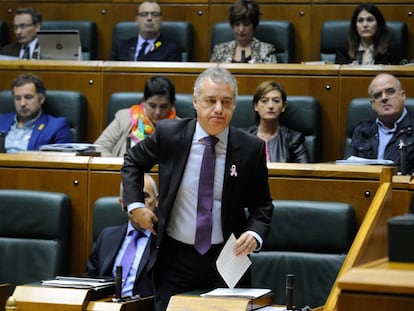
[(386, 134), (17, 139), (128, 284)]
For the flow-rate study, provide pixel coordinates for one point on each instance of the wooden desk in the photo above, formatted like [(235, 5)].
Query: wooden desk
[(380, 285)]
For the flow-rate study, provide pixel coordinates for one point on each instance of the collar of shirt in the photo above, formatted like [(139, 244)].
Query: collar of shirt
[(147, 233), (28, 124), (384, 129), (200, 133), (150, 46), (32, 46)]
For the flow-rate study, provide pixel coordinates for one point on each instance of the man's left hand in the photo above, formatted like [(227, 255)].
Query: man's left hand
[(245, 245)]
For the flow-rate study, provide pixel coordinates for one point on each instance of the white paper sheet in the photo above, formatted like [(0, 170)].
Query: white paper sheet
[(230, 266)]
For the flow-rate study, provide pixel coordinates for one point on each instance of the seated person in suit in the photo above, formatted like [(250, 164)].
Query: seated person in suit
[(392, 130), (244, 16), (282, 143), (368, 39), (113, 242), (26, 24), (133, 124), (150, 45), (29, 127)]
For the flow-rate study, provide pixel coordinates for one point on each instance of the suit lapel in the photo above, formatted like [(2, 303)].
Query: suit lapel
[(39, 126), (231, 170), (114, 242)]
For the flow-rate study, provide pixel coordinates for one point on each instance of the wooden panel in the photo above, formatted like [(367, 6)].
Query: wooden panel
[(64, 174)]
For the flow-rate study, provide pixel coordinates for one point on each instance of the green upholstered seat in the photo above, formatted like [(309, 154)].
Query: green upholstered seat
[(107, 212), (34, 235), (280, 33), (181, 32), (309, 239), (88, 33), (59, 103), (4, 33)]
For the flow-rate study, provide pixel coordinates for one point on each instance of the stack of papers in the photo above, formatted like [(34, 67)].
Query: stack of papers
[(80, 282), (249, 293), (69, 147), (364, 161)]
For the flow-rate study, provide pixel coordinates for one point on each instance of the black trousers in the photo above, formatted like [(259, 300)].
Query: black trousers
[(180, 268)]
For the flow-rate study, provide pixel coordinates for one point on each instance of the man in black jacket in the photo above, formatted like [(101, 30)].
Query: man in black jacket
[(391, 135)]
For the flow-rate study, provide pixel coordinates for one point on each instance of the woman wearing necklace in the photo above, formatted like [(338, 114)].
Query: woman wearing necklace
[(368, 40), (282, 144), (131, 125), (244, 18)]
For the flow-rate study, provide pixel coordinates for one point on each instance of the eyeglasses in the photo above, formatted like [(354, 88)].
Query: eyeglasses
[(22, 26), (153, 14), (389, 92)]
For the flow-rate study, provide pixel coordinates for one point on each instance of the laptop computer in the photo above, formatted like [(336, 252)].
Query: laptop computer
[(60, 44)]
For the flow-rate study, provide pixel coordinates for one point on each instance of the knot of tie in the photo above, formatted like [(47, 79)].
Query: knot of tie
[(211, 141)]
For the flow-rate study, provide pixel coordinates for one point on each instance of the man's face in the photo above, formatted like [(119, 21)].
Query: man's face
[(149, 19), (387, 99), (215, 106), (24, 28), (27, 102)]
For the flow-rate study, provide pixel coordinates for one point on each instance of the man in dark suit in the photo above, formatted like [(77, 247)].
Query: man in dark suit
[(28, 128), (240, 181), (26, 24), (112, 243), (150, 45)]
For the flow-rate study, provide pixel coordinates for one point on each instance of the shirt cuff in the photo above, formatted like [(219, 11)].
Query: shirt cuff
[(134, 205), (258, 239)]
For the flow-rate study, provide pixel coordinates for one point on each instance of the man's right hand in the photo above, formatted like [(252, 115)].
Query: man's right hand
[(145, 218)]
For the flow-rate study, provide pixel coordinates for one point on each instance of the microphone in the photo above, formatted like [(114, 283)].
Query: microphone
[(118, 283), (243, 56), (404, 158), (2, 142), (289, 291), (360, 54), (404, 61)]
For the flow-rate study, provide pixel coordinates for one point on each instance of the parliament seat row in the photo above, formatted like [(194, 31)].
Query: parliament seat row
[(34, 235)]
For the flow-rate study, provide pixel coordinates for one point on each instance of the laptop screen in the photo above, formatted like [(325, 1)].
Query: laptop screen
[(60, 44)]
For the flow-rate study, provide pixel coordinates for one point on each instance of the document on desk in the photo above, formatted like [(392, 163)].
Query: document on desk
[(230, 266)]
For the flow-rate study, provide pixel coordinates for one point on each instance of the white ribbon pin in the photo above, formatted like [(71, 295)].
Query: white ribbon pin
[(233, 171)]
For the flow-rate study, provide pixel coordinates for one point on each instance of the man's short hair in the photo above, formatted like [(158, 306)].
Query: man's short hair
[(36, 17), (27, 78)]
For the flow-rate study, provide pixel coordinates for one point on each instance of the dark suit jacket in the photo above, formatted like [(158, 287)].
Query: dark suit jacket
[(392, 57), (11, 49), (102, 259), (47, 130), (169, 146), (167, 51)]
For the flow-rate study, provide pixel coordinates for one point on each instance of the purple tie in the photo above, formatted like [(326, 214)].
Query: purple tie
[(205, 197), (129, 254)]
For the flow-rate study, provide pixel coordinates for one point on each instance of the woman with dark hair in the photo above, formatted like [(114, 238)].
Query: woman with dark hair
[(244, 17), (131, 125), (282, 143), (368, 39)]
